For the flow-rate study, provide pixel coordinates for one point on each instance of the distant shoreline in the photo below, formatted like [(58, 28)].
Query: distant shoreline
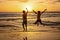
[(32, 12)]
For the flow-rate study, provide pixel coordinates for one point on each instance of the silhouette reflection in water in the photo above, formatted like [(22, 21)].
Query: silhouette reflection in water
[(25, 38)]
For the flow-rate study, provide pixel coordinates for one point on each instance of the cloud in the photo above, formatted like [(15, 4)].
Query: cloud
[(57, 0), (1, 0), (48, 1), (19, 0), (15, 0)]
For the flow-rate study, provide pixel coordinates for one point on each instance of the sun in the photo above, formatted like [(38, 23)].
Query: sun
[(28, 7)]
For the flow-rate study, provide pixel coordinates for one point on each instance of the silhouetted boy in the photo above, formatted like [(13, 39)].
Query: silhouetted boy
[(25, 20), (39, 16)]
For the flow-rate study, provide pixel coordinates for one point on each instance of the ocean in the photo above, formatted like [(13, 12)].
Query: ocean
[(31, 17), (14, 19), (11, 27)]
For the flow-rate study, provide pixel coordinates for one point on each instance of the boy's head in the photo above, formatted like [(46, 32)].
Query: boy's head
[(23, 11), (38, 11)]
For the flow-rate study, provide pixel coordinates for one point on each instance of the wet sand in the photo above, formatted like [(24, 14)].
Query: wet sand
[(30, 36), (12, 30)]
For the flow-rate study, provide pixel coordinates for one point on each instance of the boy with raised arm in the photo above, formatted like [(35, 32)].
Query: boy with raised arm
[(25, 20), (39, 16)]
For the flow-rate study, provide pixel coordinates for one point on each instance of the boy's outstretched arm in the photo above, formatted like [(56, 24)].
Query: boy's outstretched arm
[(34, 12), (44, 11)]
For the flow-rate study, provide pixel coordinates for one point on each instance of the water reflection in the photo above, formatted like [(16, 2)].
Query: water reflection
[(25, 38)]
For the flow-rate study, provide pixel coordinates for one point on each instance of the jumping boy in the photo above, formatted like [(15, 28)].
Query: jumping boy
[(39, 16)]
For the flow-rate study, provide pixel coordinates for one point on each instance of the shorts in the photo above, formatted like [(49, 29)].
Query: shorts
[(24, 22)]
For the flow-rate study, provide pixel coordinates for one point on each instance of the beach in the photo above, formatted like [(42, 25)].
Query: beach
[(11, 28)]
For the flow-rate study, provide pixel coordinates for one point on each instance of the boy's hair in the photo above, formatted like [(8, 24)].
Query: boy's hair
[(23, 11), (38, 11)]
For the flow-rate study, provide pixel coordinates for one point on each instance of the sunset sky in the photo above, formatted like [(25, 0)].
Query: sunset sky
[(19, 5)]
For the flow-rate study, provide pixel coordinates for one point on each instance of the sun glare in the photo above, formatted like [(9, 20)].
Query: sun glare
[(28, 7)]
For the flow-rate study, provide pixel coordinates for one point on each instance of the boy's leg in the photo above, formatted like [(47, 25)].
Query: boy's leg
[(37, 22), (40, 21), (26, 26), (23, 27)]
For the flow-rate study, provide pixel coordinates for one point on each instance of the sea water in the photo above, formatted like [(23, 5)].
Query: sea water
[(14, 19), (11, 27)]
